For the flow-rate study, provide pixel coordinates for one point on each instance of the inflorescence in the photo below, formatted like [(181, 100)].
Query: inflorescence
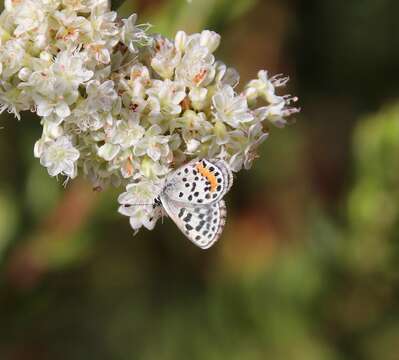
[(122, 107)]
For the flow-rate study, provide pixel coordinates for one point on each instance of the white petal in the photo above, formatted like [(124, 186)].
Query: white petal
[(154, 153), (108, 151), (62, 110), (44, 108), (135, 223)]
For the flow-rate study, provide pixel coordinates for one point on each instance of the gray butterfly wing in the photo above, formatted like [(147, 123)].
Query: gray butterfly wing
[(199, 182), (202, 224)]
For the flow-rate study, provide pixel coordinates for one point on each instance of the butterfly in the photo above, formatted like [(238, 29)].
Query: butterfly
[(192, 197)]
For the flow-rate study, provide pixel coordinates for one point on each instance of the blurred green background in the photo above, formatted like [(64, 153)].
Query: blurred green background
[(308, 264)]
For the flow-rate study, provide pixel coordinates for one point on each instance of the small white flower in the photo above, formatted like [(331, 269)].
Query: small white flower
[(153, 144), (278, 113), (221, 133), (245, 146), (230, 108), (86, 6), (265, 88), (193, 124), (100, 174), (87, 119), (100, 97), (151, 169), (69, 71), (128, 133), (207, 39), (125, 135), (12, 54), (192, 145), (52, 128), (137, 203), (71, 29), (30, 16), (199, 98), (57, 105), (134, 36), (165, 98), (142, 193), (210, 40), (226, 76), (166, 57), (141, 216), (196, 67), (59, 157), (13, 100), (108, 151), (99, 52), (103, 25), (133, 90)]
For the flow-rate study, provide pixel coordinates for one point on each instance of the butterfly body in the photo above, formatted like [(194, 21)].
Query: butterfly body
[(193, 198)]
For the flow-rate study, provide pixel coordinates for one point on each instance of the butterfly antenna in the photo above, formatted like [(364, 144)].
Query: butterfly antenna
[(130, 205)]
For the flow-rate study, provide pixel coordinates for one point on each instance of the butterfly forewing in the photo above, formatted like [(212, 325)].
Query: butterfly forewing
[(199, 182), (202, 224)]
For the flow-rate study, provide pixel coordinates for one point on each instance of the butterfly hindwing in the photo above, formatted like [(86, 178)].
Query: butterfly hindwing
[(202, 224), (199, 182)]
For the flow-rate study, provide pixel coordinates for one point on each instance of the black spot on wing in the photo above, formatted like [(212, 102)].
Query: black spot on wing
[(188, 217), (200, 226), (181, 212)]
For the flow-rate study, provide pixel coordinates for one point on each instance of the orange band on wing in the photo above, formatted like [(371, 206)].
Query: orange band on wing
[(210, 177)]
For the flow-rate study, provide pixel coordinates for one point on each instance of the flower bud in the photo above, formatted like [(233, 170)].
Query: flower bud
[(210, 39), (181, 41)]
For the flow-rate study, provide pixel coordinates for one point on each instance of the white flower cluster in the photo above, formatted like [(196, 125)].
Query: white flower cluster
[(125, 108)]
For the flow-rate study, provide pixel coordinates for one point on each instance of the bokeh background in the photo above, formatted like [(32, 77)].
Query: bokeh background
[(307, 268)]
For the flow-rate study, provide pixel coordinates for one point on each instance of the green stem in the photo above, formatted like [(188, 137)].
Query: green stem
[(115, 4)]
